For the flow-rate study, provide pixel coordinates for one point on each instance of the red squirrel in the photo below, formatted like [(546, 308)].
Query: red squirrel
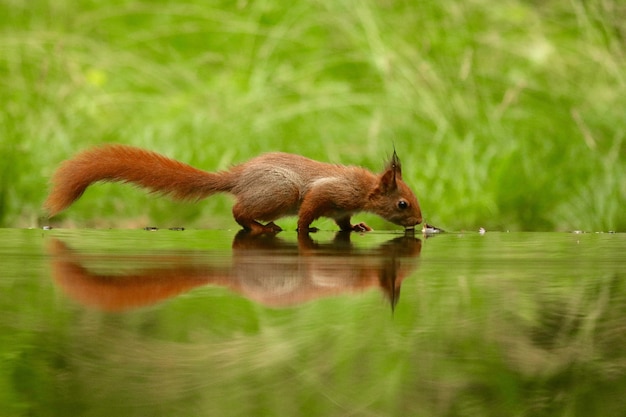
[(267, 187)]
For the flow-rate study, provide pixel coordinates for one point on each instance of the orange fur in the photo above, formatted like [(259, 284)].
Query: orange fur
[(266, 188)]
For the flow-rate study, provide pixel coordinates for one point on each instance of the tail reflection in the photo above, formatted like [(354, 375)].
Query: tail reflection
[(264, 268)]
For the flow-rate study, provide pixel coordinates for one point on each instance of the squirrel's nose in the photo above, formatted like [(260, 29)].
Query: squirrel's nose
[(412, 222)]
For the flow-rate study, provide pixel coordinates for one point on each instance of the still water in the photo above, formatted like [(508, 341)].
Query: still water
[(216, 323)]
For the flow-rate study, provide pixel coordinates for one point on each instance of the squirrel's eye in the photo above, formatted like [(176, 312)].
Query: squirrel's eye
[(402, 204)]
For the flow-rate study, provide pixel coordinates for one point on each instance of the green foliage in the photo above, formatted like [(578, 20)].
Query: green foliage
[(506, 115)]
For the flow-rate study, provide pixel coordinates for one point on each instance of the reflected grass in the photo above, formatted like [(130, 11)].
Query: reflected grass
[(530, 324)]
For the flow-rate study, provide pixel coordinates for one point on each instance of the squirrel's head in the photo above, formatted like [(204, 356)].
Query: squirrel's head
[(393, 200)]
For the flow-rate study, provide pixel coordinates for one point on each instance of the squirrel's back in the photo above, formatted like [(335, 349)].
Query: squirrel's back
[(283, 169)]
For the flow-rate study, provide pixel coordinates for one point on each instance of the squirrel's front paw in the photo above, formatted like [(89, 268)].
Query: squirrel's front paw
[(361, 227)]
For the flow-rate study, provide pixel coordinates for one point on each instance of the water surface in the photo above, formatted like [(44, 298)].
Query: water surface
[(161, 323)]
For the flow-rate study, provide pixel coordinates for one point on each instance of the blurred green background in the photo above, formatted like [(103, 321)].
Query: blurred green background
[(508, 115)]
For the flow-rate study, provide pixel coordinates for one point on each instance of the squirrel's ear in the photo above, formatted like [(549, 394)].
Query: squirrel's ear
[(393, 173), (395, 165)]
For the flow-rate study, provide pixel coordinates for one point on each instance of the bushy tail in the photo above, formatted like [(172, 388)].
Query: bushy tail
[(120, 163)]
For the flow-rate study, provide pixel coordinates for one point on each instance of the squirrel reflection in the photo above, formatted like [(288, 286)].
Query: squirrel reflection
[(263, 268)]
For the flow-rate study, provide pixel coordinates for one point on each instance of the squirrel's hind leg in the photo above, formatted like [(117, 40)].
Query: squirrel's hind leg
[(250, 224), (255, 227), (273, 227)]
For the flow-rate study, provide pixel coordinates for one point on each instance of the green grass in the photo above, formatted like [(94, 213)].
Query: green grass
[(506, 115)]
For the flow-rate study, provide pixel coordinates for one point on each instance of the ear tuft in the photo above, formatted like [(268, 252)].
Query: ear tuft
[(395, 166), (393, 173)]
